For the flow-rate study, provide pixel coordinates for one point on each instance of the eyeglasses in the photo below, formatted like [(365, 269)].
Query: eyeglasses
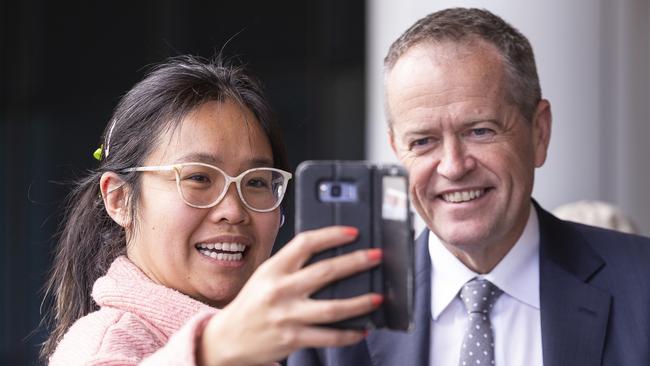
[(203, 186)]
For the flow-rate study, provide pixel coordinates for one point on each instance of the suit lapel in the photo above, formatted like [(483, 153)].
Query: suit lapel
[(574, 314), (400, 348)]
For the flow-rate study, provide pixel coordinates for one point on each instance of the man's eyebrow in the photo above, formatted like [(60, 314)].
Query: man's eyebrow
[(428, 129), (421, 129), (418, 132), (472, 122)]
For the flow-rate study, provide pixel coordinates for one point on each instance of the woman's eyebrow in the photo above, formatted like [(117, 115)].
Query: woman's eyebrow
[(253, 162), (199, 158), (260, 162)]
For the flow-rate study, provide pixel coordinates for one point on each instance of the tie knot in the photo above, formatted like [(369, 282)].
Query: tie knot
[(479, 295)]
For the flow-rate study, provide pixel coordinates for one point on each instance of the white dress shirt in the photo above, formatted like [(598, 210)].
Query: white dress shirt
[(515, 316)]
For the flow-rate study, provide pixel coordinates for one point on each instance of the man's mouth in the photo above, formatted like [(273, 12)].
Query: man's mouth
[(463, 196), (222, 251)]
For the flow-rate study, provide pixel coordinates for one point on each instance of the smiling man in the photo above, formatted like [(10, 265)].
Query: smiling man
[(469, 151), (499, 280)]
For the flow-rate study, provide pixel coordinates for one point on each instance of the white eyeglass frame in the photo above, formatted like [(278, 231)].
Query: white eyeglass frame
[(176, 168)]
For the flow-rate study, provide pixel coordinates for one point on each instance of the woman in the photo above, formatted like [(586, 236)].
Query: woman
[(172, 231)]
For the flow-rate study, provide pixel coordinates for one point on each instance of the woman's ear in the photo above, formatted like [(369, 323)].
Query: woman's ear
[(115, 195)]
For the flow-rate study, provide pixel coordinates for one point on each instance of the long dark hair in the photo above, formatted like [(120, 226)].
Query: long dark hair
[(89, 239)]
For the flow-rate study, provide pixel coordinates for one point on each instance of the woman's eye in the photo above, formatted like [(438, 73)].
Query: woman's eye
[(257, 183), (199, 178)]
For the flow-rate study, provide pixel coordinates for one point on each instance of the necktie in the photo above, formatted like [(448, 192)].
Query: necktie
[(478, 296)]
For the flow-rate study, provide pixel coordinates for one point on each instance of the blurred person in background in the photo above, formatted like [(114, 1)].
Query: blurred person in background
[(596, 213)]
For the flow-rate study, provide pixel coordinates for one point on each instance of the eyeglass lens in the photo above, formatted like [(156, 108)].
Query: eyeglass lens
[(260, 188)]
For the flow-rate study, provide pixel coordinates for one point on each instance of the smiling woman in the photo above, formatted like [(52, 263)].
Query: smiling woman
[(163, 254)]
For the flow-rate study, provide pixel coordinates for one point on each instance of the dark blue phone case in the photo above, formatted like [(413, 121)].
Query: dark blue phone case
[(394, 277)]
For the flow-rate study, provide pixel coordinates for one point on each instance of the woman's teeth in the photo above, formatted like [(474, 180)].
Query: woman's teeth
[(230, 247), (227, 251), (463, 196)]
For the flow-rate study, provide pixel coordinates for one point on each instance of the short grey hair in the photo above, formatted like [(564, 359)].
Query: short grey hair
[(462, 25)]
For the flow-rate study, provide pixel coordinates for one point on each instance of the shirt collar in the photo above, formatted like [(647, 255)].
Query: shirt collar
[(517, 274)]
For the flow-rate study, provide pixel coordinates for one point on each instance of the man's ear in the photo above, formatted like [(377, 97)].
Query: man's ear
[(542, 120), (115, 194)]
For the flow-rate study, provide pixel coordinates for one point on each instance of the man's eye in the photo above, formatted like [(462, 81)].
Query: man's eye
[(420, 142), (481, 132)]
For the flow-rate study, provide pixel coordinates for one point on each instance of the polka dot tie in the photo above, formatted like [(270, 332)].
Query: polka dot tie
[(478, 296)]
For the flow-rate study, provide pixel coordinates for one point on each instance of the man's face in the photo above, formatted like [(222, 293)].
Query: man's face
[(470, 153)]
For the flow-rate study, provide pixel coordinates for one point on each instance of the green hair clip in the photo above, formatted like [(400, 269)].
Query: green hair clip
[(98, 153)]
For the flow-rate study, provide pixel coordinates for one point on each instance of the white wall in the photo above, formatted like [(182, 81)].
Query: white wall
[(593, 59)]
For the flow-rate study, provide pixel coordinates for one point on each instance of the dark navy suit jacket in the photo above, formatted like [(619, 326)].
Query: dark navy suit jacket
[(594, 294)]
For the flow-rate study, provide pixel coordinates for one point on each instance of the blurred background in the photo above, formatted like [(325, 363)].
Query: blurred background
[(64, 66)]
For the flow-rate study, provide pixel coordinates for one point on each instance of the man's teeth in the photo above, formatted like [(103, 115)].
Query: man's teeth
[(235, 251), (463, 196)]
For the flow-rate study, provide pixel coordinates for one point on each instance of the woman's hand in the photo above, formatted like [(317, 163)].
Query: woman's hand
[(273, 314)]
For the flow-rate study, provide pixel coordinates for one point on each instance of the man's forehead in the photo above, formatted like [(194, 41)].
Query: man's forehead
[(459, 79), (421, 73), (446, 53)]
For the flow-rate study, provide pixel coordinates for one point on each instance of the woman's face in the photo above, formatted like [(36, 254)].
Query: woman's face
[(166, 240)]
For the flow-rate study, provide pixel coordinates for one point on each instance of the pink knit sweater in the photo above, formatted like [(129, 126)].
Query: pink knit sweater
[(134, 324)]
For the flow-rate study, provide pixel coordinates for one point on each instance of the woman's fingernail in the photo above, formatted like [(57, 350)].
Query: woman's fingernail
[(365, 333), (377, 299), (375, 254), (351, 231)]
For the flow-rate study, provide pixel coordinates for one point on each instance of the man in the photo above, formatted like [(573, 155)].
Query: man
[(467, 120)]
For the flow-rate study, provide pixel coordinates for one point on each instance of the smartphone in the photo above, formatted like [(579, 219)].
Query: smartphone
[(374, 199)]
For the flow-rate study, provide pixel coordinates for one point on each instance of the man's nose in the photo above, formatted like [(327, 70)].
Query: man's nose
[(455, 161)]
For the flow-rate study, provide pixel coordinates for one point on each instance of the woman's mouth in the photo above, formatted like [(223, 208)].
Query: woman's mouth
[(222, 251)]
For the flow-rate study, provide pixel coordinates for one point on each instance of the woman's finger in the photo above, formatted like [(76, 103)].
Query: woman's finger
[(304, 245), (316, 275), (329, 311), (318, 337)]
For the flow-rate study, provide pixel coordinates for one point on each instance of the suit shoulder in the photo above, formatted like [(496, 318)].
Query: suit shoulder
[(607, 242), (625, 256)]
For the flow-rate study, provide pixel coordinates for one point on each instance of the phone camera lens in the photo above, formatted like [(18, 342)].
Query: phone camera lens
[(335, 190)]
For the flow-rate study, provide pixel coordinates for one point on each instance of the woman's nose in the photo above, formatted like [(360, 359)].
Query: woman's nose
[(231, 208)]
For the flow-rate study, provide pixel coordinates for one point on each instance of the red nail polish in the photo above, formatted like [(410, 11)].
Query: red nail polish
[(377, 299), (375, 254), (351, 231)]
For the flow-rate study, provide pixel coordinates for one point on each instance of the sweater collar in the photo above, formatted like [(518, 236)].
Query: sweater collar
[(127, 288)]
